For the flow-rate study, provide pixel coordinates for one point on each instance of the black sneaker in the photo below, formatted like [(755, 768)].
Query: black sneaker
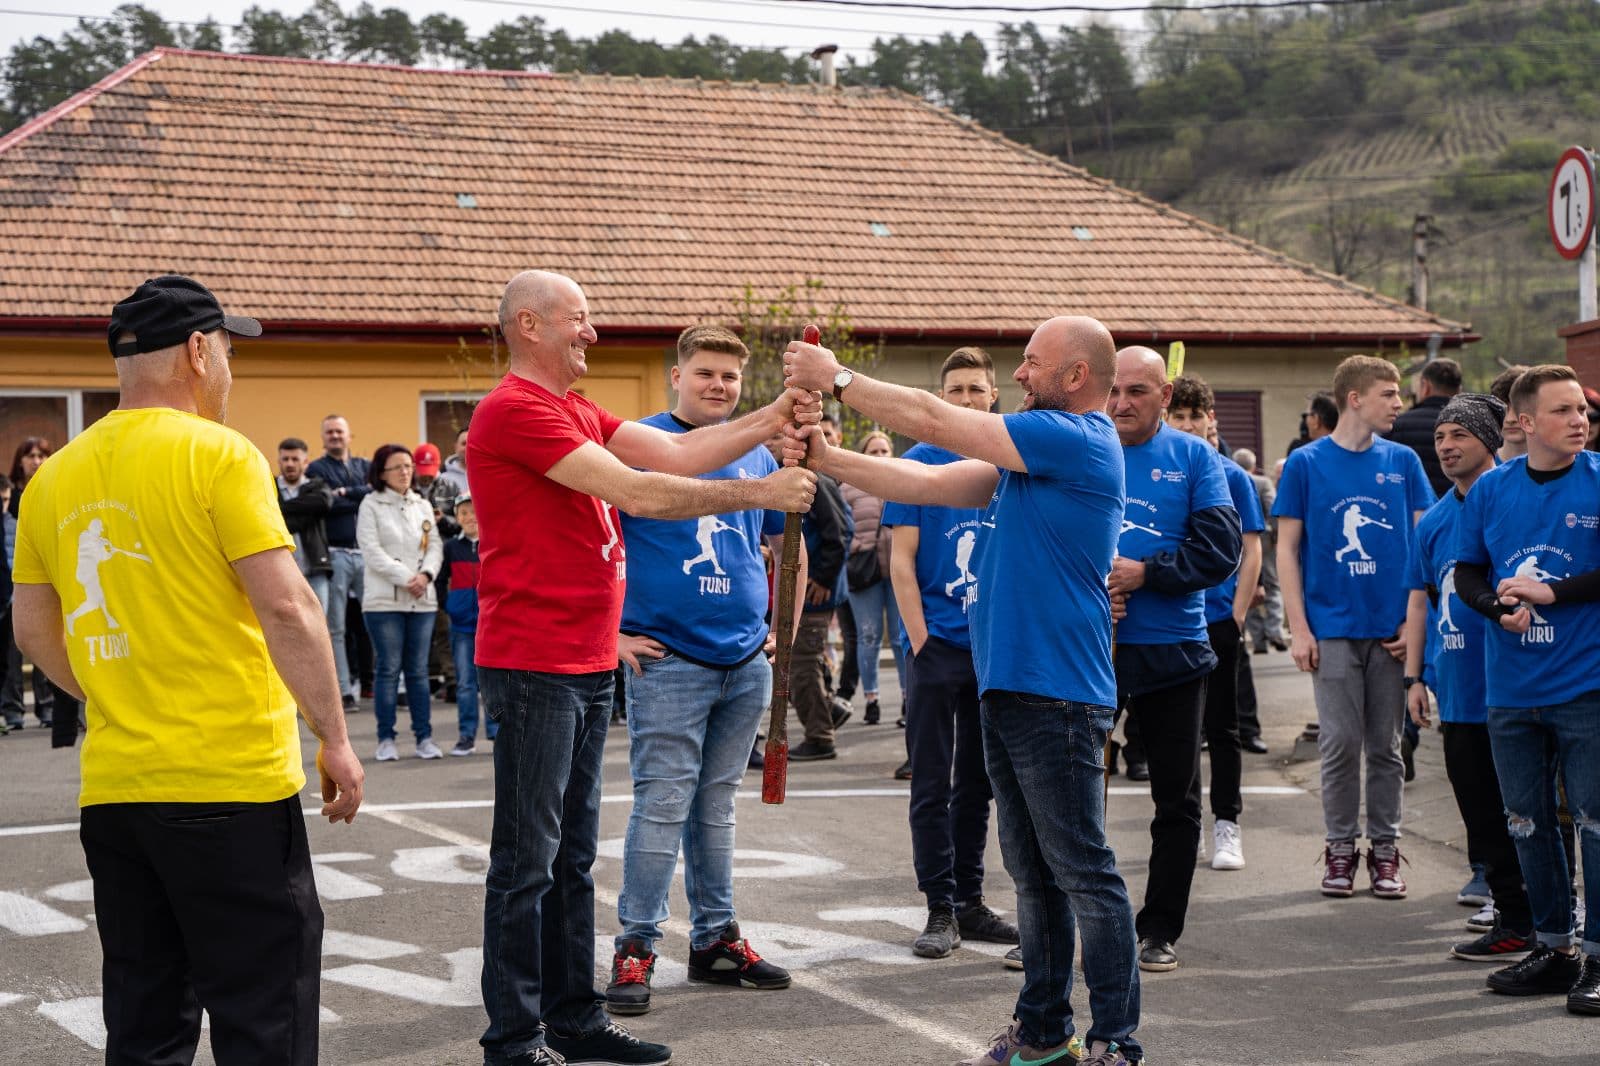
[(1545, 971), (631, 970), (1156, 955), (1497, 945), (940, 937), (1584, 995), (841, 712), (730, 960), (610, 1045), (539, 1056), (350, 705), (1138, 770), (903, 771), (1013, 959), (871, 715), (811, 751), (1254, 745), (979, 922), (1408, 752)]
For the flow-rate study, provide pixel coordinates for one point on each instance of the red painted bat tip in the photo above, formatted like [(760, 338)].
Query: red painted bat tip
[(775, 771), (811, 334)]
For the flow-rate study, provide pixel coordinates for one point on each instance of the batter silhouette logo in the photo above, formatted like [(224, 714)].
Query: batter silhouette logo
[(717, 583), (1354, 521), (964, 577), (1450, 636), (95, 549), (1541, 631)]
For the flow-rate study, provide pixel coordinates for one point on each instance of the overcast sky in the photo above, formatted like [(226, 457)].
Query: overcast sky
[(770, 23)]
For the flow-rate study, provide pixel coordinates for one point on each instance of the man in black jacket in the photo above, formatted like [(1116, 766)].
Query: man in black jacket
[(346, 477), (1439, 380), (305, 502)]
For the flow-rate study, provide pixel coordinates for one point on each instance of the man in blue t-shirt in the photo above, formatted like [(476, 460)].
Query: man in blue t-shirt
[(1346, 507), (1051, 477), (1179, 536), (1528, 558), (1445, 650), (1193, 410), (931, 570), (694, 629)]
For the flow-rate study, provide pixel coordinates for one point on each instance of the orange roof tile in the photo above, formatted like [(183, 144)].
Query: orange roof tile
[(345, 194)]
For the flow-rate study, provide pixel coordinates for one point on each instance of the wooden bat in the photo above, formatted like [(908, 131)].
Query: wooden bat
[(775, 774)]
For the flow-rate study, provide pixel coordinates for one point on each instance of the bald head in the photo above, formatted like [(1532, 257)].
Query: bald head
[(1068, 365), (1139, 394), (533, 290)]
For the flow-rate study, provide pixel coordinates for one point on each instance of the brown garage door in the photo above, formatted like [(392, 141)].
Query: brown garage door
[(1239, 420)]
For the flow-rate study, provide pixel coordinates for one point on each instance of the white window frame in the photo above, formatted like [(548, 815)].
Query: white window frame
[(73, 396), (454, 396)]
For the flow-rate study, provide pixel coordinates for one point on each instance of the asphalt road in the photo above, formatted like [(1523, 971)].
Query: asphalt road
[(1272, 973)]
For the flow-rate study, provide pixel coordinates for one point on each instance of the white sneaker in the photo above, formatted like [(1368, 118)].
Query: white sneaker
[(387, 751), (1227, 842), (427, 749)]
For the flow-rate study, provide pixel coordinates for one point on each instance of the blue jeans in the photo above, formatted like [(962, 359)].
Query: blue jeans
[(869, 606), (1523, 758), (400, 640), (1046, 765), (690, 729), (345, 582), (463, 647), (538, 911)]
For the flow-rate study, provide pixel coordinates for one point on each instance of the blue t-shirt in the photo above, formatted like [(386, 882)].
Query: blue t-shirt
[(1041, 623), (1356, 546), (1219, 598), (1169, 477), (1517, 526), (698, 585), (947, 540), (1454, 652)]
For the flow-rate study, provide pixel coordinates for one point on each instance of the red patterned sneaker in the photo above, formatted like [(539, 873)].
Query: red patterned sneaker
[(1339, 876), (730, 960), (631, 970), (1383, 864)]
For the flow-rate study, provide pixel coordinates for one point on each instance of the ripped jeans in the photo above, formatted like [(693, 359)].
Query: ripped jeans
[(690, 731), (1521, 738)]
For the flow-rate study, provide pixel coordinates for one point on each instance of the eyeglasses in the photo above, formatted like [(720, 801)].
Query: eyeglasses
[(397, 468)]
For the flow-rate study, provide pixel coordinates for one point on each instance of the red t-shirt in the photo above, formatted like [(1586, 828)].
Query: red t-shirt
[(553, 569)]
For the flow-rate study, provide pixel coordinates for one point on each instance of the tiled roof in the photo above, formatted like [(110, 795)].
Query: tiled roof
[(346, 194)]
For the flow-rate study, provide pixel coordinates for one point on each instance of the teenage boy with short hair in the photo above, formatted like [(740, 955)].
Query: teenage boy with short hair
[(1529, 559), (1445, 647), (1193, 410), (694, 625), (931, 569), (1346, 507)]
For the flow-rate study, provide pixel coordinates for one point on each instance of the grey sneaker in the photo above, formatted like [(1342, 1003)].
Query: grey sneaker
[(980, 922), (1102, 1054), (940, 936), (464, 746), (427, 749), (386, 751), (1013, 959)]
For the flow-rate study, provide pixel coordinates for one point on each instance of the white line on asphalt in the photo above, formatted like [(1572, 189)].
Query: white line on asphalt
[(812, 981), (749, 794)]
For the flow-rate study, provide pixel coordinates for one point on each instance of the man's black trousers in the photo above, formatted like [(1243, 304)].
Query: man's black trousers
[(206, 905)]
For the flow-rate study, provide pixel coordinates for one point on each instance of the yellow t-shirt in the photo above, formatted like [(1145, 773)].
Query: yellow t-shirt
[(135, 523)]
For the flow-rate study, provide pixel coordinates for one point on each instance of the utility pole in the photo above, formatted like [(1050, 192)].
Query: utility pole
[(1419, 261)]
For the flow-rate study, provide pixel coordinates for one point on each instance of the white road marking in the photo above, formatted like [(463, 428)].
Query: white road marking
[(333, 883), (911, 918), (460, 989), (81, 1017), (8, 998), (72, 892), (30, 830), (774, 864), (26, 916), (366, 948), (453, 864)]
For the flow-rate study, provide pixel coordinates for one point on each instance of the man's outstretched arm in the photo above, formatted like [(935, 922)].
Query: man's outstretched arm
[(592, 469), (916, 414), (969, 483), (711, 447)]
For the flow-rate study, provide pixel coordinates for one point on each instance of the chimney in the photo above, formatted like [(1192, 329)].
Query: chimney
[(824, 56)]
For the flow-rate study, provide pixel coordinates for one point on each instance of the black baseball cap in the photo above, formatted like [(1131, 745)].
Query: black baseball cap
[(165, 310)]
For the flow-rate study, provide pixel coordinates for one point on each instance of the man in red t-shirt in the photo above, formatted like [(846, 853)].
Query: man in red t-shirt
[(549, 470)]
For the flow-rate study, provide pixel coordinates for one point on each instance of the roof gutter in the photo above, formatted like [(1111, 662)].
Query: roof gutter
[(321, 330)]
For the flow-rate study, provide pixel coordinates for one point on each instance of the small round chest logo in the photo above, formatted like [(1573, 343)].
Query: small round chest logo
[(1572, 520), (1155, 475), (1380, 478)]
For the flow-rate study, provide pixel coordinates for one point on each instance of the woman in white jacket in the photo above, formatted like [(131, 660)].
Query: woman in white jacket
[(401, 549)]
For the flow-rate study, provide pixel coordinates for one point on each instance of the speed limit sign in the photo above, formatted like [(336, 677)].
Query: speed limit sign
[(1571, 205)]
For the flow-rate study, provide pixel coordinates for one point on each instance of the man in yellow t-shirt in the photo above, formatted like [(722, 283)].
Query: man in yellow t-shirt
[(156, 579)]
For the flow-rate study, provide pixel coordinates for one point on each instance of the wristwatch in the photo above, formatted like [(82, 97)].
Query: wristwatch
[(841, 381), (1407, 682)]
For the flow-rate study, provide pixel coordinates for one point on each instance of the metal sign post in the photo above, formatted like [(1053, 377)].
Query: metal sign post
[(1570, 208)]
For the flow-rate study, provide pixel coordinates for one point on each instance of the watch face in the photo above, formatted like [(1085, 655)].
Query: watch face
[(842, 378)]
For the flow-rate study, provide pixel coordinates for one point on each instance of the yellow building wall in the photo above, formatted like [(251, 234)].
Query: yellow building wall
[(285, 388)]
